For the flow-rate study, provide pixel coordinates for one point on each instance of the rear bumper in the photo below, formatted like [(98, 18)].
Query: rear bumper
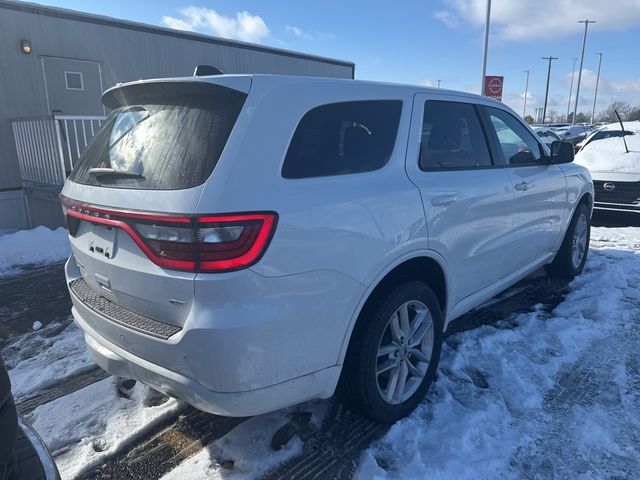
[(121, 363), (250, 344)]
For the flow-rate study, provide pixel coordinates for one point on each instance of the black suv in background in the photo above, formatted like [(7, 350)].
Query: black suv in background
[(23, 455)]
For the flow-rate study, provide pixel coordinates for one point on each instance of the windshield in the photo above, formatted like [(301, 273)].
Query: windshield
[(167, 136)]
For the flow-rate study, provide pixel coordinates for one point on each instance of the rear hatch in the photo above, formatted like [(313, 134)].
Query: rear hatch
[(129, 202)]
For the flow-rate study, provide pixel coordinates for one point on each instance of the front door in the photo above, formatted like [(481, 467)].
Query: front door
[(73, 87), (539, 187), (467, 197)]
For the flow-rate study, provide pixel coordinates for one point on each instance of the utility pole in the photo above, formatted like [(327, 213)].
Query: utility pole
[(546, 94), (438, 83), (573, 72), (486, 46), (584, 43), (595, 95), (526, 92)]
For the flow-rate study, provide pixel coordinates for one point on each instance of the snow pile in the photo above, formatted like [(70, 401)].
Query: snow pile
[(32, 247), (38, 360), (85, 427), (609, 155), (549, 395)]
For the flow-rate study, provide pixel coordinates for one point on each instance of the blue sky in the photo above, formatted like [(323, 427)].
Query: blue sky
[(420, 42)]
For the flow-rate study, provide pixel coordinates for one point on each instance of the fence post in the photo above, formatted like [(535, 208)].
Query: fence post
[(60, 151)]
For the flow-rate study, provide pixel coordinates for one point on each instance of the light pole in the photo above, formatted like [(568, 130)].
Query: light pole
[(573, 72), (526, 92), (438, 83), (486, 46), (546, 93), (584, 43), (595, 95)]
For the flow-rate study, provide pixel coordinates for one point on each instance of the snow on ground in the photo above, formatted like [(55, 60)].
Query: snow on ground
[(45, 357), (248, 446), (547, 395), (85, 427), (544, 394), (32, 247)]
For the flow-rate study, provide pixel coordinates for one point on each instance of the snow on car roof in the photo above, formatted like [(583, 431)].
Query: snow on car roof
[(609, 154)]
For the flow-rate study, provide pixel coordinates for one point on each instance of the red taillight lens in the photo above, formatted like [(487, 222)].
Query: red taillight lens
[(212, 243), (234, 241)]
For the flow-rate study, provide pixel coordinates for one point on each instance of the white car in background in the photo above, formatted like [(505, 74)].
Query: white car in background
[(615, 172), (572, 133), (545, 134), (608, 131)]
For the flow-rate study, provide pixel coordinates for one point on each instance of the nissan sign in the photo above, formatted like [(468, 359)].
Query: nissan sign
[(493, 87)]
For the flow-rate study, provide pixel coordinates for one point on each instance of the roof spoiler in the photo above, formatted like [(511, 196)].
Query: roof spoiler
[(203, 70)]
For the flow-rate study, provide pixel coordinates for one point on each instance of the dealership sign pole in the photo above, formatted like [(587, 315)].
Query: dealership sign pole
[(486, 46)]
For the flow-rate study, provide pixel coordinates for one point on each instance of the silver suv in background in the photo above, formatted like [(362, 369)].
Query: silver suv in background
[(248, 242)]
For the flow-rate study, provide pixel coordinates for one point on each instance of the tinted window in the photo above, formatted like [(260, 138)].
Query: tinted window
[(518, 145), (342, 138), (167, 136), (452, 137)]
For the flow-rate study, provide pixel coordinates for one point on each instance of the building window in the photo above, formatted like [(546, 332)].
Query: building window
[(74, 80)]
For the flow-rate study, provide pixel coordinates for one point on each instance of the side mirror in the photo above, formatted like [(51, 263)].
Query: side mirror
[(562, 152)]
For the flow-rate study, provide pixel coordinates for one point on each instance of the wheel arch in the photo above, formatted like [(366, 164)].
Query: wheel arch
[(425, 266)]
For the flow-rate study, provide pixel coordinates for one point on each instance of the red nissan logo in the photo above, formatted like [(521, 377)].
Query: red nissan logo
[(495, 86)]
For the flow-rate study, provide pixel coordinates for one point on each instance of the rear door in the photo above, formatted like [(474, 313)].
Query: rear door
[(467, 197), (540, 188)]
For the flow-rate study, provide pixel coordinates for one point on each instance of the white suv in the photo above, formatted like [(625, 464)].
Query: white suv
[(248, 242)]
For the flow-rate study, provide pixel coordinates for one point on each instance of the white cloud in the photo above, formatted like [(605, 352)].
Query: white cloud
[(309, 35), (244, 26), (447, 17), (541, 19)]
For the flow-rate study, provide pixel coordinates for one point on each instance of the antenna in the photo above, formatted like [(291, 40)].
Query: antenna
[(203, 70), (623, 135)]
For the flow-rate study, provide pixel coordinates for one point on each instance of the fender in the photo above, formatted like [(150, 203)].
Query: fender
[(423, 253)]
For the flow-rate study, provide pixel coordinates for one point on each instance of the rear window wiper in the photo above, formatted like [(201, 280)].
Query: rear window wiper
[(112, 172)]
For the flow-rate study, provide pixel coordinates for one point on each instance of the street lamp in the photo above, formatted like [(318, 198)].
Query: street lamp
[(573, 72), (526, 92), (584, 43), (595, 95)]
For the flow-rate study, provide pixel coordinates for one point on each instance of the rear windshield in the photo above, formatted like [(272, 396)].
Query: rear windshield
[(160, 136)]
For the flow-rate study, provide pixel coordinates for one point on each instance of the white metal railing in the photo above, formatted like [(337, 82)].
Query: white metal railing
[(49, 147)]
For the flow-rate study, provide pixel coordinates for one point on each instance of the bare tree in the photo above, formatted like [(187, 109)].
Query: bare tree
[(609, 115)]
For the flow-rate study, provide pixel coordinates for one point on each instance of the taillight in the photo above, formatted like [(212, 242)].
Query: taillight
[(210, 243)]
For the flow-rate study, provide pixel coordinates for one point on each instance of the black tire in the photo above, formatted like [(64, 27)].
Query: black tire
[(563, 264), (359, 383)]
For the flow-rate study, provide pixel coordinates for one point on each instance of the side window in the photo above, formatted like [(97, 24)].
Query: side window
[(518, 145), (452, 137), (343, 138)]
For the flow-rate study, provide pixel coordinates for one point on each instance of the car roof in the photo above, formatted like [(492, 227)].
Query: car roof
[(284, 79)]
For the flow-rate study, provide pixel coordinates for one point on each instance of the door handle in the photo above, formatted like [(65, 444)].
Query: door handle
[(443, 200), (523, 186)]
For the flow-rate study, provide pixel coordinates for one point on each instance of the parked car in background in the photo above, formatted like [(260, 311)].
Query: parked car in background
[(615, 172), (608, 131), (248, 242), (23, 455), (545, 134), (572, 133)]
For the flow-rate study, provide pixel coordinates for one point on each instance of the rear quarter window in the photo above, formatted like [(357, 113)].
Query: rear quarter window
[(343, 138), (160, 136)]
